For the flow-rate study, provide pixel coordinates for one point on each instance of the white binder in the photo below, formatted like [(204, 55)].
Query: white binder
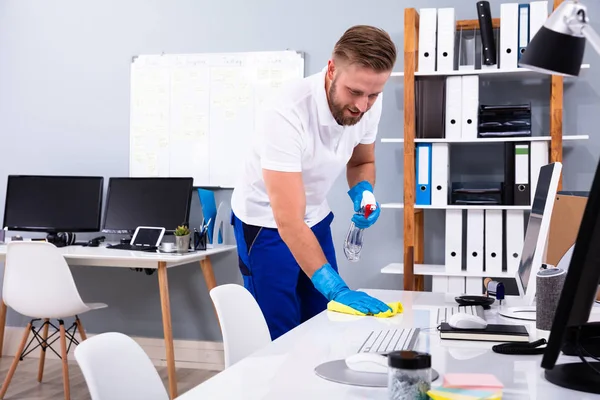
[(440, 166), (470, 107), (509, 30), (475, 238), (446, 31), (493, 241), (538, 157), (456, 284), (453, 107), (427, 39), (538, 14), (515, 235), (474, 286), (454, 236)]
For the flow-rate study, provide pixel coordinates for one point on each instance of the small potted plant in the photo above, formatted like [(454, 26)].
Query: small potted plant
[(182, 239)]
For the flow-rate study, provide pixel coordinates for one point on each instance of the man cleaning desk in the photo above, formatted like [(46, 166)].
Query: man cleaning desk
[(312, 129)]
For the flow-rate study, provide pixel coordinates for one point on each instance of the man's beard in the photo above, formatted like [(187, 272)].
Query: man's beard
[(337, 110)]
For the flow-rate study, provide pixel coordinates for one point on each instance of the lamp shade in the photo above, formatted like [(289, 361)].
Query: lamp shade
[(552, 52)]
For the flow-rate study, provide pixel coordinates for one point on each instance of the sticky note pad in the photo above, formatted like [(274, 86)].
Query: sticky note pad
[(443, 393), (472, 381)]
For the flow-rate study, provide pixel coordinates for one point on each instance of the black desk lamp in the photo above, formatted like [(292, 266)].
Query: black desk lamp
[(558, 47)]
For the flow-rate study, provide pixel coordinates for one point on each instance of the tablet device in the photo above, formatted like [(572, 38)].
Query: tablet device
[(147, 236)]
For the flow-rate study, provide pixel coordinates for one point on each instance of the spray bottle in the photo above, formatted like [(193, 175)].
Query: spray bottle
[(354, 239)]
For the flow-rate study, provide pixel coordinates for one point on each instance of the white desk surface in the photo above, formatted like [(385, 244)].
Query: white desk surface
[(105, 257), (285, 368)]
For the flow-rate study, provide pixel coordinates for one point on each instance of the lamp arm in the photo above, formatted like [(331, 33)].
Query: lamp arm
[(591, 36), (578, 23)]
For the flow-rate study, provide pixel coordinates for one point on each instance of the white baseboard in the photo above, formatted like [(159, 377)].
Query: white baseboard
[(188, 353)]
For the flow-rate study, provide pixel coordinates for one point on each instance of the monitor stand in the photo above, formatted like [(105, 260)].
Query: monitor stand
[(521, 312), (581, 340)]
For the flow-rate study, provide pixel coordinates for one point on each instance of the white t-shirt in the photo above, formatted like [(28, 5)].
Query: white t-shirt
[(296, 132)]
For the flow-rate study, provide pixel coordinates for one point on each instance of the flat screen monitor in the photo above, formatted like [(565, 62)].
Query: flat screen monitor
[(538, 227), (576, 301), (133, 202), (53, 204)]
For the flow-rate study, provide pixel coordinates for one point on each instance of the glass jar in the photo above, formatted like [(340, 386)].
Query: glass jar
[(409, 375)]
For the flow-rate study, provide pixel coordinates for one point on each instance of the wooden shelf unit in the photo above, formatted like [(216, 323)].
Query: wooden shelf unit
[(413, 217)]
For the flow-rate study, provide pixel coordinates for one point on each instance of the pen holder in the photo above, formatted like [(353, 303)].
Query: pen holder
[(200, 240)]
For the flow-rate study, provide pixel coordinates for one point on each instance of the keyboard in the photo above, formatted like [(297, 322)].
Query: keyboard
[(389, 340), (445, 313), (127, 246)]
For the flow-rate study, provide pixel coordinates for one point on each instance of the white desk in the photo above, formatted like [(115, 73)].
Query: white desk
[(104, 257), (285, 368)]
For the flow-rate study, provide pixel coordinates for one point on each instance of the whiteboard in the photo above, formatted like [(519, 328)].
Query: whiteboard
[(194, 114)]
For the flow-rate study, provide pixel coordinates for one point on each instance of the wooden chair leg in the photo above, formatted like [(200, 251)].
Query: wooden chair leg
[(13, 366), (43, 350), (80, 329), (65, 365)]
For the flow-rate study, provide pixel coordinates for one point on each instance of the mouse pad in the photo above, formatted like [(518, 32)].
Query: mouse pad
[(337, 371)]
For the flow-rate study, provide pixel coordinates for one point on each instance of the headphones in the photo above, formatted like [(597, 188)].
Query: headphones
[(62, 239)]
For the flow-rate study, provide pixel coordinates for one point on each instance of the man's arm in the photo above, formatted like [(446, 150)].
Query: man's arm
[(288, 202), (361, 166)]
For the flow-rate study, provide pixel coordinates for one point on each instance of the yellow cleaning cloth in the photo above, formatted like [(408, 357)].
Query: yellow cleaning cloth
[(344, 309)]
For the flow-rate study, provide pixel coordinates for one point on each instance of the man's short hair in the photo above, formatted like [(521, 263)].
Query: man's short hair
[(367, 46)]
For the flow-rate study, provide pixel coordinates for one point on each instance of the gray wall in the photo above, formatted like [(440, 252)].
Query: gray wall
[(64, 92)]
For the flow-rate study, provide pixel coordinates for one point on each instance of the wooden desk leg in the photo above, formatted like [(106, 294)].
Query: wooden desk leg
[(209, 274), (209, 277), (3, 309), (165, 305)]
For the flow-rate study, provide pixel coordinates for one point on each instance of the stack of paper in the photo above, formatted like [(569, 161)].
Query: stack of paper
[(468, 387)]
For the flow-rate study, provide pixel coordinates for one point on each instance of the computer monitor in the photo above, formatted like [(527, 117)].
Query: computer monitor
[(575, 303), (537, 230), (53, 204), (534, 244), (133, 202)]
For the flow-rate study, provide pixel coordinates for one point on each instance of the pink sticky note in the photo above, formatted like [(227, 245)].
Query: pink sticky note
[(479, 381)]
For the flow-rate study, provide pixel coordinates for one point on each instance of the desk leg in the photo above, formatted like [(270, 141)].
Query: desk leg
[(209, 274), (165, 305), (2, 324), (209, 277)]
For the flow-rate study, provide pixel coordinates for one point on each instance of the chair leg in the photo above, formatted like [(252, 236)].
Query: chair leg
[(43, 347), (13, 366), (80, 329), (65, 365)]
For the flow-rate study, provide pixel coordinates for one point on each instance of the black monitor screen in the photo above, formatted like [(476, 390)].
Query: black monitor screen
[(53, 203), (583, 275), (160, 202)]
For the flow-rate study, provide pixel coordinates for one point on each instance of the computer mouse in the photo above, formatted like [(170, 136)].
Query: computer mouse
[(466, 321), (368, 362)]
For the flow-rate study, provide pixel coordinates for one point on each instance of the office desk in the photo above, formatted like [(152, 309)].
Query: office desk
[(285, 368), (104, 257)]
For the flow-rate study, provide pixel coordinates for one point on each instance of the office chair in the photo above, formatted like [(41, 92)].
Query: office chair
[(115, 367), (243, 324), (38, 284)]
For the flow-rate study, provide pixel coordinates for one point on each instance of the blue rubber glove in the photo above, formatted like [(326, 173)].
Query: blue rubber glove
[(356, 194), (331, 285)]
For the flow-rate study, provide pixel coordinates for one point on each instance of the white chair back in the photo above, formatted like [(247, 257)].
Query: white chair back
[(243, 324), (115, 367), (38, 282)]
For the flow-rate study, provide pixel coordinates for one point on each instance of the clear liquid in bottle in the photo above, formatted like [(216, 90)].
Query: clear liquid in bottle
[(353, 243), (354, 238)]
